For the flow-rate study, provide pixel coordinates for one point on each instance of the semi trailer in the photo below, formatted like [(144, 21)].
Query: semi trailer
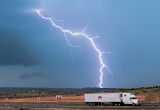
[(114, 98)]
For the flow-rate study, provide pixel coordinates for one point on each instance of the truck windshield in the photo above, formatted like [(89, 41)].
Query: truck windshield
[(133, 98)]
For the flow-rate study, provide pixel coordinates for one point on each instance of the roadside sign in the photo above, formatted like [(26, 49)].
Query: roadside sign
[(58, 97), (6, 103), (6, 99), (59, 100), (100, 100), (38, 98), (38, 101)]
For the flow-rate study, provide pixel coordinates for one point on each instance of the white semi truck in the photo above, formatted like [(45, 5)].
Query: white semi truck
[(114, 98)]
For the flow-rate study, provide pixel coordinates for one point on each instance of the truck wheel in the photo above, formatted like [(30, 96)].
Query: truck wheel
[(92, 104), (115, 104), (133, 104), (119, 104)]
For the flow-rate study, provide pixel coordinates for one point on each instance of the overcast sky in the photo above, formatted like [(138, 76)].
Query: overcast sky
[(33, 53)]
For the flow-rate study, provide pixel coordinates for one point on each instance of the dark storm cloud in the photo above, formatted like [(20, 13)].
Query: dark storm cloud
[(128, 28), (13, 51), (34, 74)]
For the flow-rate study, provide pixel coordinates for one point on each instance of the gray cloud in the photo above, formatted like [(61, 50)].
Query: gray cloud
[(34, 74), (13, 51)]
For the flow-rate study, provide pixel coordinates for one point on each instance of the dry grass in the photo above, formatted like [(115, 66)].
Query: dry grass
[(47, 99), (67, 98)]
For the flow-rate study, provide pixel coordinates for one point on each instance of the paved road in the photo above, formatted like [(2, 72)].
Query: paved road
[(79, 105)]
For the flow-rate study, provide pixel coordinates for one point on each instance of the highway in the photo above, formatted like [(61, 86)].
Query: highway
[(77, 105)]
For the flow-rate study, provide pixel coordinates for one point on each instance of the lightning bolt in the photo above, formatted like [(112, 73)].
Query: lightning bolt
[(87, 37)]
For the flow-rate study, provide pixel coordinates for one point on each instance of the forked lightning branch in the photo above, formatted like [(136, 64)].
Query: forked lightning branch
[(88, 38)]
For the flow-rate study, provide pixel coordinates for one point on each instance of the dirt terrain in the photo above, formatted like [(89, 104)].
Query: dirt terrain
[(72, 99), (64, 99), (47, 99), (146, 95)]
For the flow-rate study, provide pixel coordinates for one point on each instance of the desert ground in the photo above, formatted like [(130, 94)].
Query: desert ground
[(46, 99), (149, 96), (64, 99)]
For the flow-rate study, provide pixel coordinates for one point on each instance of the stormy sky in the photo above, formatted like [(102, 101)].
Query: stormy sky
[(33, 53)]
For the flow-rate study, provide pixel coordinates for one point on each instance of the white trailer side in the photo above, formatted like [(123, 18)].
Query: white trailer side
[(102, 97)]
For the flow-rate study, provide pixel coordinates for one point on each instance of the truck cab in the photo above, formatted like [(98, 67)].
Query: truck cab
[(130, 99)]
